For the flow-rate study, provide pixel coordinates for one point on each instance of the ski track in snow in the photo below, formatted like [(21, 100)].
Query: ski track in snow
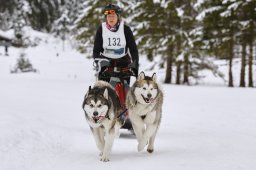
[(43, 127)]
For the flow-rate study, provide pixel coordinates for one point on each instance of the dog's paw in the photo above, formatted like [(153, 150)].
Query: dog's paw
[(150, 150), (104, 158)]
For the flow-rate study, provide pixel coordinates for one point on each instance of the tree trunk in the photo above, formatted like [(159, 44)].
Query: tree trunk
[(250, 83), (230, 74), (250, 65), (231, 46), (168, 76), (243, 64), (150, 56), (178, 72), (186, 69), (178, 62)]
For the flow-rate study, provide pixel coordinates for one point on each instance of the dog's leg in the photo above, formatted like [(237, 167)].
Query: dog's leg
[(138, 130), (117, 128), (97, 136), (149, 120), (101, 135), (109, 138), (137, 125), (150, 130), (150, 148)]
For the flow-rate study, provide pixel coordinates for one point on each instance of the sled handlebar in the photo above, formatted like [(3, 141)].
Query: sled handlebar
[(119, 74)]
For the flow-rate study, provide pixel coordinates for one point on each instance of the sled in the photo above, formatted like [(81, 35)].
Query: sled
[(117, 78)]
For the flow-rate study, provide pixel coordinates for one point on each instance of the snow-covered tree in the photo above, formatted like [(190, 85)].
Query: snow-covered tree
[(19, 22), (170, 38), (188, 41), (246, 14), (220, 26), (169, 28), (23, 65), (7, 8), (227, 25), (43, 13), (156, 27)]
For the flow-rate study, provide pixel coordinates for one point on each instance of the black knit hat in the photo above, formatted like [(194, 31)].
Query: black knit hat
[(110, 7)]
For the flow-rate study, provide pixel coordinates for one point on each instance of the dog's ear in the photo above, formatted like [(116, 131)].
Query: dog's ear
[(154, 77), (105, 94), (141, 76), (86, 95)]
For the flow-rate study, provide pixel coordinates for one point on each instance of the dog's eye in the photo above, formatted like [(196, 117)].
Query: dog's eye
[(91, 105), (144, 88), (100, 105)]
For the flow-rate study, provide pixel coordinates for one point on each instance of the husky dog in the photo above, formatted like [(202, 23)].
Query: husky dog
[(144, 103), (102, 108)]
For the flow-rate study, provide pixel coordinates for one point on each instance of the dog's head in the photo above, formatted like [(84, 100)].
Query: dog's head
[(146, 88), (96, 104)]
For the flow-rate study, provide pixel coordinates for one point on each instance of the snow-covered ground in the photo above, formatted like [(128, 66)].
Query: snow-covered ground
[(42, 125)]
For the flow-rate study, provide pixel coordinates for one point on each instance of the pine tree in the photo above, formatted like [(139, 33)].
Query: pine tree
[(188, 42), (156, 27), (43, 14), (19, 23), (171, 37), (36, 13), (242, 39), (147, 29), (220, 28), (250, 10), (7, 8)]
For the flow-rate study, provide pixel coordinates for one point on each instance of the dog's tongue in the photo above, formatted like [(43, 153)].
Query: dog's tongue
[(151, 100), (96, 119)]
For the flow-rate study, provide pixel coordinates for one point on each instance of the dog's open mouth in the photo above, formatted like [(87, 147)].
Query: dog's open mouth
[(97, 119), (147, 100)]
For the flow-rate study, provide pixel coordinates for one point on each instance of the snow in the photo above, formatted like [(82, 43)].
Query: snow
[(5, 34), (43, 126), (156, 1), (231, 7), (202, 15), (198, 3), (180, 12)]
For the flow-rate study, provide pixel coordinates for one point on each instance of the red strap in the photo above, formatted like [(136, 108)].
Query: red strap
[(121, 93)]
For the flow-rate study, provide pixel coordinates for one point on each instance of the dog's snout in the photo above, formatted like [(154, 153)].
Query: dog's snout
[(95, 113), (149, 95)]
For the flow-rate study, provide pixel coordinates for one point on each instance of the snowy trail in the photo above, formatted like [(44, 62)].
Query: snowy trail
[(45, 129), (42, 124)]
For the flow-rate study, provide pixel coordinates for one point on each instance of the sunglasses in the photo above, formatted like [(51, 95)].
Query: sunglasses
[(109, 12)]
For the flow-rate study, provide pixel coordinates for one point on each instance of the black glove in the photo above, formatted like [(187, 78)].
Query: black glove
[(134, 68), (101, 63)]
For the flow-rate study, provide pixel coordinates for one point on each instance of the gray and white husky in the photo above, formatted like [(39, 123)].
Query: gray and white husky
[(144, 103), (102, 107)]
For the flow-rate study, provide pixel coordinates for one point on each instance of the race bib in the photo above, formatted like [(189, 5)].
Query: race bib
[(113, 42)]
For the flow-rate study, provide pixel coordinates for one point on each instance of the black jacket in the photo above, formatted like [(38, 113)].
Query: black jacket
[(130, 44)]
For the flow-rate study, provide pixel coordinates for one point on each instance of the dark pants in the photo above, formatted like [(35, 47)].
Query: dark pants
[(120, 62)]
